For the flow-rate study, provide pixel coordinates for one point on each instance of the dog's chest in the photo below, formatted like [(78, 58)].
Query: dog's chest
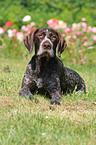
[(42, 71)]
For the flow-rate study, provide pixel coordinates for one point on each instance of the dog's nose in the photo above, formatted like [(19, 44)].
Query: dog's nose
[(46, 45)]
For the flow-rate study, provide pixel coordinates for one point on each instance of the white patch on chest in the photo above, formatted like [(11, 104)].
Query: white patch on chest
[(39, 82)]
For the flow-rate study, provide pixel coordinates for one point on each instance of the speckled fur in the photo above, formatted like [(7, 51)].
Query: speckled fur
[(49, 75)]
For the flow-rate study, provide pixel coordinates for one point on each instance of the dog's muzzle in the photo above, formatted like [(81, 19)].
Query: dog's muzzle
[(46, 45), (46, 48)]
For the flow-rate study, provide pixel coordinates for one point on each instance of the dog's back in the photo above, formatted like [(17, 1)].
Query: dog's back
[(72, 81)]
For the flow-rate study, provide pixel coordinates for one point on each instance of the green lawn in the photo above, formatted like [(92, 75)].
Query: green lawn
[(25, 122)]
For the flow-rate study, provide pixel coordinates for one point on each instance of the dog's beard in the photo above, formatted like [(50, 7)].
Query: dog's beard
[(46, 53)]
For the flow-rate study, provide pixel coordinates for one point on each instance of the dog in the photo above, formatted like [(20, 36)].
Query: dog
[(45, 72)]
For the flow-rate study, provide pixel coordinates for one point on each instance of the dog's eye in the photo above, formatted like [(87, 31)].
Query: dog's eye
[(53, 37), (41, 35)]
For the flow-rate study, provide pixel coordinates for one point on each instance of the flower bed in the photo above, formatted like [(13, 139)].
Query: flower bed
[(80, 37)]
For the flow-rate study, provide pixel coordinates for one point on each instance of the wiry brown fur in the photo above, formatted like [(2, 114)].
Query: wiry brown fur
[(45, 72)]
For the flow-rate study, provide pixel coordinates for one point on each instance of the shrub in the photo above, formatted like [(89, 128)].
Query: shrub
[(80, 38)]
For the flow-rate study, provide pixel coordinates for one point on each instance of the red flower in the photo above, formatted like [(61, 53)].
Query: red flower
[(9, 24), (14, 39)]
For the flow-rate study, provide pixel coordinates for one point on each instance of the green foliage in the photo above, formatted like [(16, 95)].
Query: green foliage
[(69, 11), (13, 49)]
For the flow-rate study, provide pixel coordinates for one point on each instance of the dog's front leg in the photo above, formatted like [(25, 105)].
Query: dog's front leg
[(54, 89), (25, 92), (56, 98), (28, 86)]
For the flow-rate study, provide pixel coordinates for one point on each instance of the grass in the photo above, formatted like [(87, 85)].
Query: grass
[(25, 122)]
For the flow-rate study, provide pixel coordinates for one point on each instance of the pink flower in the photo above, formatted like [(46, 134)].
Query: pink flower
[(67, 30), (78, 33), (82, 34), (94, 37), (56, 24), (91, 44), (91, 47), (82, 50), (85, 44), (56, 27), (83, 60), (2, 30), (32, 24), (53, 23), (64, 26), (14, 31), (83, 19), (28, 26), (63, 33), (19, 36), (74, 36), (9, 24), (70, 42), (85, 57), (84, 30), (94, 29), (84, 24), (85, 39), (24, 28), (71, 30), (50, 21), (89, 29), (68, 37)]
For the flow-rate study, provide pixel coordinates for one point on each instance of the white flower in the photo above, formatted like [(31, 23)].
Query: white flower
[(26, 18), (19, 36), (10, 33), (79, 25), (43, 134), (2, 30), (91, 47), (74, 25), (46, 116), (62, 25)]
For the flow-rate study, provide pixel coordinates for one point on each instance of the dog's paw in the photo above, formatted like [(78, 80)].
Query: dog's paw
[(56, 98), (56, 102), (32, 97)]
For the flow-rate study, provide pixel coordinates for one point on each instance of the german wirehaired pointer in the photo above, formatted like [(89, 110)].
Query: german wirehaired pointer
[(45, 72)]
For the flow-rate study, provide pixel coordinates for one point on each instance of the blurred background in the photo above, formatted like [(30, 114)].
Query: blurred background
[(74, 19)]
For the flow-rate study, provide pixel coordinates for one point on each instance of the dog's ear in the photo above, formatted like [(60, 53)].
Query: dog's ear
[(29, 40), (61, 45)]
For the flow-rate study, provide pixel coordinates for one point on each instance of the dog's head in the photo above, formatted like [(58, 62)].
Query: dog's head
[(45, 41)]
